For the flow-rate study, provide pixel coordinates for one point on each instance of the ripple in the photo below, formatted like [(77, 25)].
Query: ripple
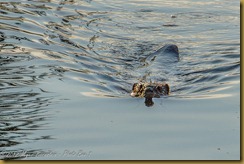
[(198, 15), (102, 48), (22, 113)]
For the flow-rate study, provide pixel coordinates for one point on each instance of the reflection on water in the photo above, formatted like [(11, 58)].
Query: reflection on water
[(23, 105), (96, 44), (102, 47)]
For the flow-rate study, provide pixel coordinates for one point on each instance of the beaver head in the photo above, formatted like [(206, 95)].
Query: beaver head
[(149, 91)]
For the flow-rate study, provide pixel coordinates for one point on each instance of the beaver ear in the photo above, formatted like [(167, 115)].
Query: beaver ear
[(134, 85), (167, 88)]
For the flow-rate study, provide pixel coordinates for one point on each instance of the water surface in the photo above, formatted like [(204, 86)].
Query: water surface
[(67, 68)]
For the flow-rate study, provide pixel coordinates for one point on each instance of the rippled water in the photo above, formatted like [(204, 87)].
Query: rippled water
[(67, 68)]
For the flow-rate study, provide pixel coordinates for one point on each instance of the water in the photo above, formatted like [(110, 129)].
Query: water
[(67, 68)]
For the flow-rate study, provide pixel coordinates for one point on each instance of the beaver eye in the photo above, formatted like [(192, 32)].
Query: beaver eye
[(134, 85)]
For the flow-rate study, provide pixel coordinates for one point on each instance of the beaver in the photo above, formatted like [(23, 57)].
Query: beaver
[(167, 54)]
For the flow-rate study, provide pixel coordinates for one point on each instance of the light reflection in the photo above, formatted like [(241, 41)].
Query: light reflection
[(99, 94), (210, 96)]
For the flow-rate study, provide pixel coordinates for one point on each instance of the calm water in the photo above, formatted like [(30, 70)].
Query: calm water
[(67, 68)]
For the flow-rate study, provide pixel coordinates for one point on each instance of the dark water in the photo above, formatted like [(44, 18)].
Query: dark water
[(67, 68)]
